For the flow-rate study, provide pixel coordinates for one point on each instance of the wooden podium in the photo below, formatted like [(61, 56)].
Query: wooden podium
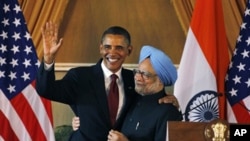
[(217, 130)]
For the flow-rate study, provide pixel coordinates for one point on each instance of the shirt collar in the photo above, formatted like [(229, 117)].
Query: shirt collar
[(107, 72)]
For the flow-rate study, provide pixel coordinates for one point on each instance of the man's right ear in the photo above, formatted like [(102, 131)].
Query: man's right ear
[(129, 51)]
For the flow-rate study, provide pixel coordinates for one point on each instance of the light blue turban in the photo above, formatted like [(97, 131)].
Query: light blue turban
[(161, 63)]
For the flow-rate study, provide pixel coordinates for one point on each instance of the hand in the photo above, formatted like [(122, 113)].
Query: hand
[(75, 123), (170, 99), (50, 41), (116, 136)]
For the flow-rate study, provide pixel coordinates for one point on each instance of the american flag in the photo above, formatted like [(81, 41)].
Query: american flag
[(238, 76), (24, 116)]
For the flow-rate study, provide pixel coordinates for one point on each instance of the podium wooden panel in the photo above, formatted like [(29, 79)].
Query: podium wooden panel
[(186, 131), (216, 130)]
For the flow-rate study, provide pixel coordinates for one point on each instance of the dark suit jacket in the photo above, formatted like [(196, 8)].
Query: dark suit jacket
[(147, 119), (84, 88)]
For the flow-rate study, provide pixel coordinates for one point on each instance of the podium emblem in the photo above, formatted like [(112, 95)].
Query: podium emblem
[(217, 130)]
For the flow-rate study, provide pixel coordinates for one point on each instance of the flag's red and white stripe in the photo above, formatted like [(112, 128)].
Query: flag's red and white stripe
[(22, 120)]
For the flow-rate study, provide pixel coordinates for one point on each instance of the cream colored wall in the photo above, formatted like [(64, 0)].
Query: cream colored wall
[(62, 114)]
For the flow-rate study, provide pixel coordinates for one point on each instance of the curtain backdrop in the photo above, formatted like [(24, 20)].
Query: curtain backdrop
[(37, 13)]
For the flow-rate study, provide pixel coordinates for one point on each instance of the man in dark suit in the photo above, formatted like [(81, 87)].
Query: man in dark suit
[(86, 88)]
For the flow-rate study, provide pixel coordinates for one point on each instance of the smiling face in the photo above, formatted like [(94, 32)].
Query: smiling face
[(114, 49), (146, 80)]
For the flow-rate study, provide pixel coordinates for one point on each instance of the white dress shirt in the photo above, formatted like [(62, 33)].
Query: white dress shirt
[(107, 79)]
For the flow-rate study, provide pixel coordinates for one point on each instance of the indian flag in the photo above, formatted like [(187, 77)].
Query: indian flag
[(203, 66)]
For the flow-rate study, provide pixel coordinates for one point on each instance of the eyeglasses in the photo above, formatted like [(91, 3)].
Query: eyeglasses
[(145, 75)]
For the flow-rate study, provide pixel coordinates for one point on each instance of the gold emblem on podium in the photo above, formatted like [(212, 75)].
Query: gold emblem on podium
[(217, 130)]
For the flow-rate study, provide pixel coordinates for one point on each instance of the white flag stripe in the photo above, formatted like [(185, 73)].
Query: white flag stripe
[(34, 100), (17, 124), (1, 139), (188, 74), (230, 113), (246, 102)]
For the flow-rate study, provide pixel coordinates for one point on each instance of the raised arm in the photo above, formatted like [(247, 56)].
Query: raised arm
[(50, 41)]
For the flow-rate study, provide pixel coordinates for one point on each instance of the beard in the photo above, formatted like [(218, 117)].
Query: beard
[(147, 89)]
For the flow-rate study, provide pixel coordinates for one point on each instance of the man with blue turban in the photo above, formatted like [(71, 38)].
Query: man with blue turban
[(147, 119), (161, 63)]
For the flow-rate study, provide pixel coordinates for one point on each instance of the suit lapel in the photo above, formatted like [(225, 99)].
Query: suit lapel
[(128, 82), (99, 86), (98, 82)]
